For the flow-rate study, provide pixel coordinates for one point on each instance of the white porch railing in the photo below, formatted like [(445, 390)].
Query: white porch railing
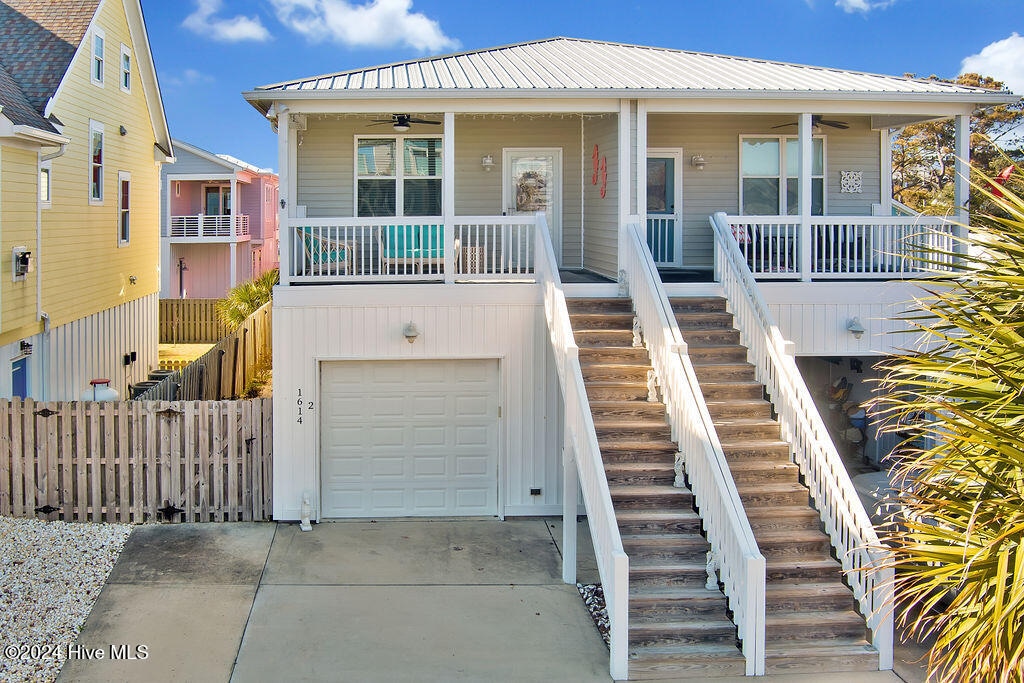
[(208, 226), (581, 437), (843, 247), (325, 250), (741, 564), (846, 522)]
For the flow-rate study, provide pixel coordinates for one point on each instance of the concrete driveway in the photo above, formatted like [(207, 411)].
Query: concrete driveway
[(431, 600)]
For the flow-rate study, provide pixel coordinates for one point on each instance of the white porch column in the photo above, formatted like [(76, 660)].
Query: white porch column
[(804, 132), (234, 231), (448, 195), (961, 181), (885, 172), (284, 208), (624, 170), (570, 495), (641, 162)]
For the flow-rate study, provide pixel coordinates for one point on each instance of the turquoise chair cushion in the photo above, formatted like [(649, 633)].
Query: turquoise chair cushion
[(399, 242), (320, 250), (432, 241)]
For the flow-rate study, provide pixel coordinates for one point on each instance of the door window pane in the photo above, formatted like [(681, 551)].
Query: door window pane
[(660, 186)]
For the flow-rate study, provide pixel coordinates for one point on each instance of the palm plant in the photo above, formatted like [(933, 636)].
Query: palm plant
[(958, 549), (245, 299)]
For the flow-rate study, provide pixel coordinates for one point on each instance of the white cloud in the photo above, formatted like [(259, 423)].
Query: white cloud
[(233, 30), (378, 23), (187, 77), (865, 6), (1003, 60)]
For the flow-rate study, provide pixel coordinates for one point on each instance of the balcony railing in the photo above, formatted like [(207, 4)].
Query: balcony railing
[(208, 226), (844, 247), (325, 250)]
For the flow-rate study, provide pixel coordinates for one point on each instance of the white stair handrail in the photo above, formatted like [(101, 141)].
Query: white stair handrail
[(846, 522), (740, 563), (612, 562)]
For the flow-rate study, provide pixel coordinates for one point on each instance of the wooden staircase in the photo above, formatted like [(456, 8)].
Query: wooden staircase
[(677, 628), (811, 622)]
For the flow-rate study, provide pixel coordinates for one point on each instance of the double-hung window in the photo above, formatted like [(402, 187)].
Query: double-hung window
[(46, 184), (98, 41), (126, 69), (398, 176), (769, 176), (124, 195), (95, 162)]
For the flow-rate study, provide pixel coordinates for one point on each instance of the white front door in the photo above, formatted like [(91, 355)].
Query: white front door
[(665, 206), (409, 438), (532, 183)]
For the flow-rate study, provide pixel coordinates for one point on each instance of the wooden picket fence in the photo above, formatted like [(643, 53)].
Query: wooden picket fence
[(190, 321), (133, 461)]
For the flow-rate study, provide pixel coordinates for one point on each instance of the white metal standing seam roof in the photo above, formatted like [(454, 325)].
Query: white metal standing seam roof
[(557, 65)]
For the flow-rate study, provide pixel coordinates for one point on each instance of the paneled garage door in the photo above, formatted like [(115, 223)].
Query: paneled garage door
[(409, 438)]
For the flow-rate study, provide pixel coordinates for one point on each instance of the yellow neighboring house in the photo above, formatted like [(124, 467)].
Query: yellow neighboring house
[(82, 138)]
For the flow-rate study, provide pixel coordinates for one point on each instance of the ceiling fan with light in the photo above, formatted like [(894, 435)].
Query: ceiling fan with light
[(402, 122), (817, 121)]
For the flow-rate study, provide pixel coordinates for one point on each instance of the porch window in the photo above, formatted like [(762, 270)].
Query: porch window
[(95, 162), (769, 170), (96, 73), (387, 185), (124, 185)]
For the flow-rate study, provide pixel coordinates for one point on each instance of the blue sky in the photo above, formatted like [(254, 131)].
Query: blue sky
[(208, 52)]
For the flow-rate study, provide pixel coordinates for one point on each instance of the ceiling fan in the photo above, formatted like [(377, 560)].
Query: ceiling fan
[(401, 122), (818, 121)]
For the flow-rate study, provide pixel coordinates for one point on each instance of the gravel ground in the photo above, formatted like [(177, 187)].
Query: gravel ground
[(50, 575), (593, 598)]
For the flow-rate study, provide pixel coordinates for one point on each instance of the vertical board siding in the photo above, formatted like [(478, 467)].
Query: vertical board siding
[(461, 322), (190, 321), (126, 461)]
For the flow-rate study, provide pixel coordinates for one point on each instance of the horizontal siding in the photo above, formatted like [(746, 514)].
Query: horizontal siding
[(19, 190), (459, 322), (601, 229), (716, 188), (209, 269), (84, 269)]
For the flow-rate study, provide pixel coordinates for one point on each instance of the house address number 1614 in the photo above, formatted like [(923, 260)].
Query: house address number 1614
[(302, 404)]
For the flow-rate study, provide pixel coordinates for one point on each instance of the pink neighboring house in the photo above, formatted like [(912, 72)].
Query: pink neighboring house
[(218, 223)]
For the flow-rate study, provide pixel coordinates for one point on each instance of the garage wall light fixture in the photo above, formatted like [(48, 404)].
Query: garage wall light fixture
[(411, 332), (855, 328)]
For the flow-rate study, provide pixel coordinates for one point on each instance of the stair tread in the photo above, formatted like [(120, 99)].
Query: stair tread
[(781, 589), (770, 487), (754, 465), (811, 618), (776, 535), (646, 593), (808, 562), (690, 650), (663, 538), (616, 443), (659, 565), (693, 623), (744, 421), (653, 489), (780, 649), (754, 443), (638, 466)]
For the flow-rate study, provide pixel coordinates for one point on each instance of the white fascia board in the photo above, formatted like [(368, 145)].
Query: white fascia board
[(146, 69), (900, 106), (204, 155), (42, 136), (460, 106), (217, 177)]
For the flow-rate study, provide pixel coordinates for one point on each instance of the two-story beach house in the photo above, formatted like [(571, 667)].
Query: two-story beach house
[(514, 274), (82, 138), (218, 223)]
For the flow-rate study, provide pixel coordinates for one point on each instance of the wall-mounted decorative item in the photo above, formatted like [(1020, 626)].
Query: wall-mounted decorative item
[(851, 181)]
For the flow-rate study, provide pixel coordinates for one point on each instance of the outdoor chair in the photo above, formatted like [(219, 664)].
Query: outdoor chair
[(322, 255), (407, 249)]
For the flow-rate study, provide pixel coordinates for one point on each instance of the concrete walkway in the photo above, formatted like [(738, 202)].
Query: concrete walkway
[(408, 600)]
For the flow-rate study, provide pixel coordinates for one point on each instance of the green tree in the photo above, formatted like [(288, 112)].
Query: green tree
[(246, 298), (924, 154), (958, 550)]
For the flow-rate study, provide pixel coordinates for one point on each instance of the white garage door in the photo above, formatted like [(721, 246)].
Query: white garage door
[(409, 438)]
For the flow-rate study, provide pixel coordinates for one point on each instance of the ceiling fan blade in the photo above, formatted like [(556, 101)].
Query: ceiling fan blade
[(432, 123), (783, 125), (834, 124)]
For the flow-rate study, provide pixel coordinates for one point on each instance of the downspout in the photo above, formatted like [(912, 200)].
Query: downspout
[(44, 365)]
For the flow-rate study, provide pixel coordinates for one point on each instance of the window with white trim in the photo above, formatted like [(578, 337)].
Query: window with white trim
[(398, 176), (124, 194), (769, 176), (126, 69), (98, 41), (46, 184), (95, 162)]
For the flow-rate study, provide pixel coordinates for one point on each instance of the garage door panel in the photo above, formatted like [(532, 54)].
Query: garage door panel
[(414, 438)]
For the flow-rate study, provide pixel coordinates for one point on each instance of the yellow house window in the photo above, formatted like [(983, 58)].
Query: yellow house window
[(126, 69), (98, 41), (124, 192), (95, 162)]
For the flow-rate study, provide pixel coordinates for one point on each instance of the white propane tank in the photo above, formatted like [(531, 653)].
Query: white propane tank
[(99, 391)]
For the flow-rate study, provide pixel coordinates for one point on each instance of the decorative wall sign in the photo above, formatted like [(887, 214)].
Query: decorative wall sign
[(851, 181), (600, 170), (604, 176)]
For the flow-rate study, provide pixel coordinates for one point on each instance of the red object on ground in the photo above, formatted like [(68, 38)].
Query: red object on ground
[(1001, 179)]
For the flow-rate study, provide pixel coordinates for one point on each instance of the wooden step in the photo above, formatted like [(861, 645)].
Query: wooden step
[(724, 390), (753, 471), (736, 407), (664, 575), (639, 429), (639, 473), (612, 337), (696, 662), (651, 410), (786, 570), (839, 654), (622, 355), (792, 517), (630, 450), (651, 498), (602, 321), (658, 521), (724, 372), (665, 548), (769, 449), (795, 543), (703, 320), (683, 632), (813, 626), (808, 597), (698, 304), (747, 428), (774, 494), (608, 372), (617, 390), (716, 336), (717, 353), (599, 305), (650, 604)]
